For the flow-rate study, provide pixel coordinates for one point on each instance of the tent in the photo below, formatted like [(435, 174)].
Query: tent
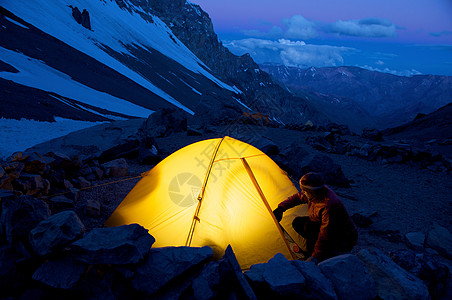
[(214, 193)]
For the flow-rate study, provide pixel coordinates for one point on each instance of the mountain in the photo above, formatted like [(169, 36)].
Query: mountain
[(129, 59), (385, 100)]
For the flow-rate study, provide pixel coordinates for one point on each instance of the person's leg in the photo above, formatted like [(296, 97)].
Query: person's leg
[(307, 229)]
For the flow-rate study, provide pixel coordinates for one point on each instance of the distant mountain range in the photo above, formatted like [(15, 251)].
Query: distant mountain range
[(363, 98)]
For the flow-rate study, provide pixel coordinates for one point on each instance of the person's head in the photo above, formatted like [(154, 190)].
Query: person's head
[(313, 185)]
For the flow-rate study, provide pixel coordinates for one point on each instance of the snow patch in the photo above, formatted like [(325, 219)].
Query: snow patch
[(19, 135), (17, 23)]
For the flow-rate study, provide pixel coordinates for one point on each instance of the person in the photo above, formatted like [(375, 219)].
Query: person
[(328, 229)]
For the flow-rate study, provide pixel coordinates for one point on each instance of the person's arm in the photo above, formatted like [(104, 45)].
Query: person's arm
[(290, 202)]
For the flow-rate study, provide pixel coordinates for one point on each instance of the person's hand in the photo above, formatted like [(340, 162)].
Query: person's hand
[(278, 212), (313, 259)]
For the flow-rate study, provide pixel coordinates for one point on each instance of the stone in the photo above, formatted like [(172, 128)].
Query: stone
[(440, 239), (230, 257), (92, 208), (282, 277), (164, 122), (372, 134), (61, 202), (208, 284), (361, 220), (415, 240), (162, 265), (116, 168), (350, 277), (85, 21), (21, 215), (331, 171), (317, 285), (62, 273), (76, 14), (126, 244), (34, 164), (126, 149), (56, 232), (83, 183), (392, 281), (149, 156)]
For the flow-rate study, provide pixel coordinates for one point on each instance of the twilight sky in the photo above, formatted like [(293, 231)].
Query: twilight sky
[(403, 37)]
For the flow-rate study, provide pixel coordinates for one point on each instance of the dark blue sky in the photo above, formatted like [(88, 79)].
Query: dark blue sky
[(403, 37)]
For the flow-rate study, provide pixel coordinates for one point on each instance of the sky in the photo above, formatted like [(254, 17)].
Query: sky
[(402, 37)]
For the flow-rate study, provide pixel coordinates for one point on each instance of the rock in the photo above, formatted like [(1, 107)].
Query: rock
[(164, 122), (31, 184), (85, 21), (440, 239), (83, 183), (92, 208), (277, 278), (76, 14), (349, 276), (116, 168), (317, 285), (22, 215), (126, 244), (59, 203), (361, 220), (212, 281), (194, 132), (267, 146), (165, 264), (149, 156), (415, 240), (56, 232), (331, 171), (5, 181), (406, 259), (126, 149), (393, 282), (372, 134), (62, 273), (34, 164), (282, 277), (230, 257)]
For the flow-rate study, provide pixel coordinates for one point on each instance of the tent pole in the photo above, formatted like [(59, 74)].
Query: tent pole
[(261, 194), (201, 195)]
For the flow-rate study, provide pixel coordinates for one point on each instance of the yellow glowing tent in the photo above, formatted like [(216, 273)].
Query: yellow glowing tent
[(214, 193)]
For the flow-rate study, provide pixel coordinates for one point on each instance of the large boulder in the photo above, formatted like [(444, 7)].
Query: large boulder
[(21, 215), (440, 239), (163, 265), (349, 276), (331, 171), (56, 232), (126, 244), (392, 281), (61, 273), (276, 278), (164, 122), (317, 285)]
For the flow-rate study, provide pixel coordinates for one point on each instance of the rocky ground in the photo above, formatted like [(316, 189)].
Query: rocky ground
[(398, 196)]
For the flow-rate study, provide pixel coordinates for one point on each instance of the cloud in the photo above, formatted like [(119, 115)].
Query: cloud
[(379, 62), (408, 73), (288, 52), (274, 32), (299, 28), (367, 27), (442, 33)]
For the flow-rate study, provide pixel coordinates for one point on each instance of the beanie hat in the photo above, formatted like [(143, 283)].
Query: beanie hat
[(312, 181)]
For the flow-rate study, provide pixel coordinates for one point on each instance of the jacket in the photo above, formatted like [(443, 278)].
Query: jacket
[(337, 232)]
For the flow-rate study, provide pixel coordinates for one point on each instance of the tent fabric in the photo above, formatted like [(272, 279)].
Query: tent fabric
[(216, 192)]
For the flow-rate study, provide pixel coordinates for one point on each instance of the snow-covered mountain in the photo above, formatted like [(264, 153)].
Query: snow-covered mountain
[(129, 63)]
